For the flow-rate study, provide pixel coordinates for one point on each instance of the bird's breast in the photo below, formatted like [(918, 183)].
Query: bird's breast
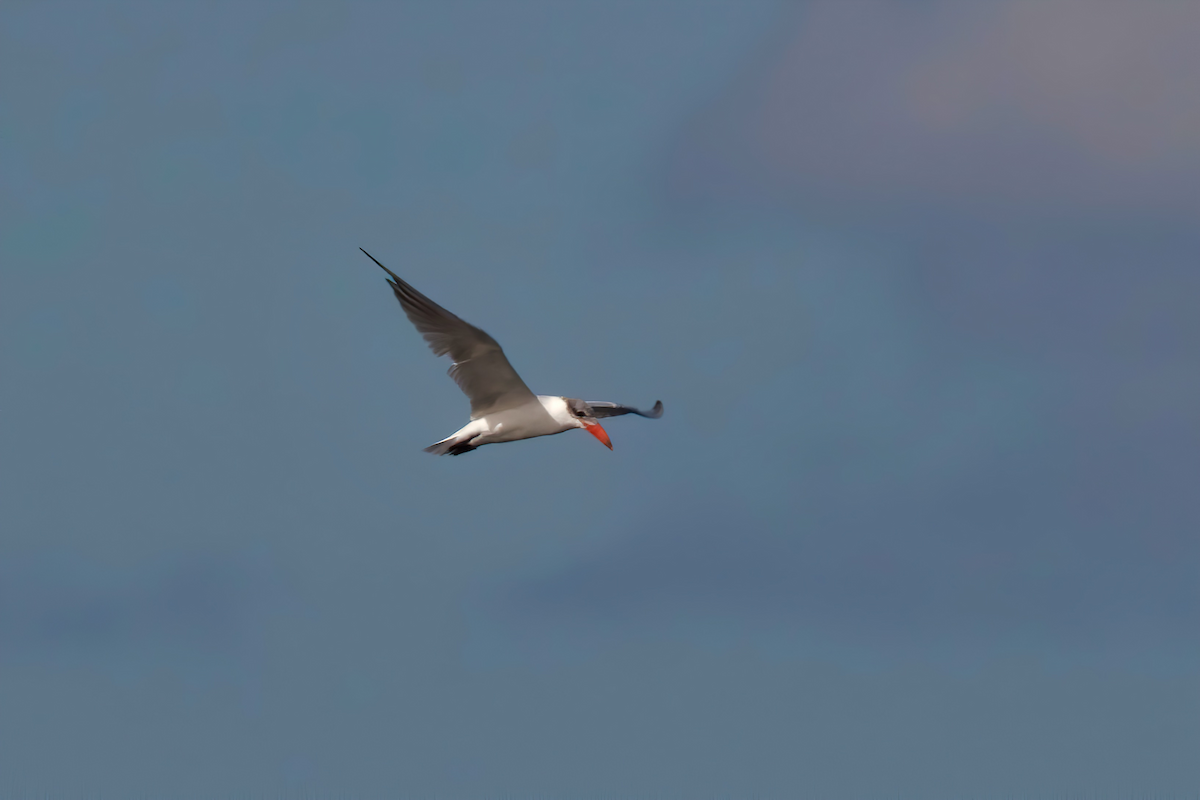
[(521, 422)]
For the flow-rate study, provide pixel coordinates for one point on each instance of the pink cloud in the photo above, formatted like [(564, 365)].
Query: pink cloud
[(1055, 103)]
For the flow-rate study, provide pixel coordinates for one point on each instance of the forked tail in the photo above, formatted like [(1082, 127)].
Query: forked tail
[(450, 447)]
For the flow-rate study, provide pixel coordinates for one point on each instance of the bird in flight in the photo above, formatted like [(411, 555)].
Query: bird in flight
[(503, 409)]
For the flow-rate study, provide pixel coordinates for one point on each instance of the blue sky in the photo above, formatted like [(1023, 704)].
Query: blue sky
[(915, 283)]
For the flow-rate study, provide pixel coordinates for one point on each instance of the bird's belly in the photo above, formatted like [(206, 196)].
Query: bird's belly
[(520, 423)]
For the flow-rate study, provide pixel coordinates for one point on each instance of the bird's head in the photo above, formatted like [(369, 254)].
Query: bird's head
[(582, 417)]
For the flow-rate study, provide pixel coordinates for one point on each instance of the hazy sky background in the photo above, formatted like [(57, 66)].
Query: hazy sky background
[(916, 282)]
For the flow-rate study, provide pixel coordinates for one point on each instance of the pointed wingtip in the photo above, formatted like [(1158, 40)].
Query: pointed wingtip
[(382, 267)]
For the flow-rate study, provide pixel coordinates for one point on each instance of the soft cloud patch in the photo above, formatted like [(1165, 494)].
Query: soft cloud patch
[(1054, 104)]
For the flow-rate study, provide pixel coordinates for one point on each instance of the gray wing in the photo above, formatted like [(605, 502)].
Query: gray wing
[(480, 368), (601, 409)]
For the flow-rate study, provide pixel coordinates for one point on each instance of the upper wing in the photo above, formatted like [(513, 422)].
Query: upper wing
[(480, 368), (602, 409)]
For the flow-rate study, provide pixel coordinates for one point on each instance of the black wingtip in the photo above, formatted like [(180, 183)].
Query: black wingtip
[(381, 266), (376, 260), (655, 412)]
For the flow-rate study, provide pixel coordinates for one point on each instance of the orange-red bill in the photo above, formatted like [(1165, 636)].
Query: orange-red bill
[(595, 430)]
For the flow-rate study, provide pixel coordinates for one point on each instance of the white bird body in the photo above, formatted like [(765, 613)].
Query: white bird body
[(548, 416), (503, 409)]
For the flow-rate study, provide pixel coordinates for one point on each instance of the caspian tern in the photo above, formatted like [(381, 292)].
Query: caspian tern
[(503, 409)]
